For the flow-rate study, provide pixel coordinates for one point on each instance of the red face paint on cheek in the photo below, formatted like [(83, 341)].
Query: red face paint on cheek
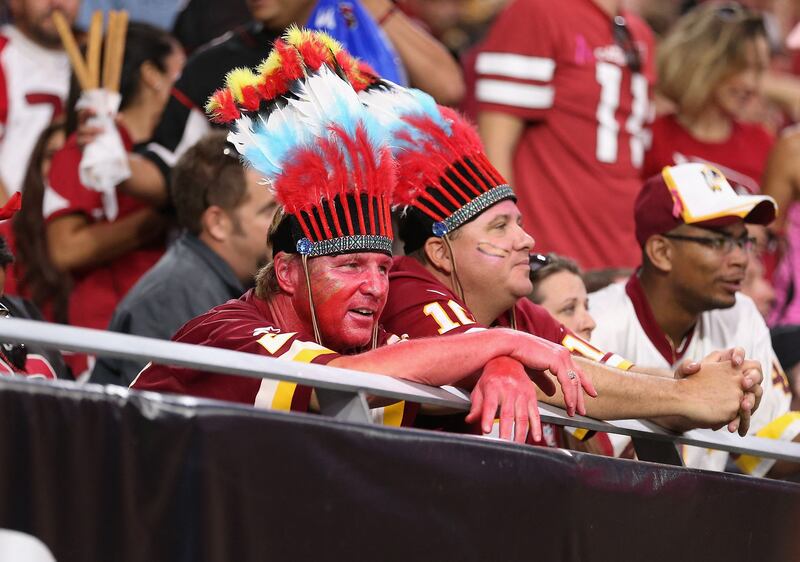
[(340, 307)]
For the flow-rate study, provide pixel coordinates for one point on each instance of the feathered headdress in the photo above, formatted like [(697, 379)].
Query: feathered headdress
[(444, 177), (298, 121)]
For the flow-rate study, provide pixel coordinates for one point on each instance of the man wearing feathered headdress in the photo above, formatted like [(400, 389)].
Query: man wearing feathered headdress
[(300, 123), (468, 266)]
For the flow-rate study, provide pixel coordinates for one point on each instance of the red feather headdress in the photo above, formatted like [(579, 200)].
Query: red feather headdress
[(444, 176), (297, 119)]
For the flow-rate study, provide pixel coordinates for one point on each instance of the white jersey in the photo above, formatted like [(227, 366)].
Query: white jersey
[(625, 324), (34, 83)]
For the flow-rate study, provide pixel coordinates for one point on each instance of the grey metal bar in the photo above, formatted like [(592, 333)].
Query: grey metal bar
[(101, 342), (342, 405)]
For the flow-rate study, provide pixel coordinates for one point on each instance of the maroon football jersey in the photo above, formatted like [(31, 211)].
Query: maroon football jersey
[(245, 325), (558, 67)]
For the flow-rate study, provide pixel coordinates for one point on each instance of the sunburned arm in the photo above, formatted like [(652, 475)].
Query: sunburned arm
[(76, 244), (458, 360)]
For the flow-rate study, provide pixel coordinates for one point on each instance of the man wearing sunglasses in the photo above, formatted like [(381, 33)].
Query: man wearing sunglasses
[(684, 301)]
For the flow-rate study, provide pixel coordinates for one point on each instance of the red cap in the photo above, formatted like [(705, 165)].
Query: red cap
[(696, 194)]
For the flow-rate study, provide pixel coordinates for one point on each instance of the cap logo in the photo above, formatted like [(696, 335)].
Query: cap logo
[(714, 179)]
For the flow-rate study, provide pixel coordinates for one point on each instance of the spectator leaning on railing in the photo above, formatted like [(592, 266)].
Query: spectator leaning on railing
[(224, 211), (320, 299), (468, 267), (684, 301)]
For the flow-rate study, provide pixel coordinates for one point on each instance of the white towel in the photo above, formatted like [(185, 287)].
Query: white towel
[(104, 163)]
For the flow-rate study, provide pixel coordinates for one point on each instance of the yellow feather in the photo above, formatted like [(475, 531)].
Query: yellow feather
[(237, 79), (329, 42), (293, 35), (269, 65)]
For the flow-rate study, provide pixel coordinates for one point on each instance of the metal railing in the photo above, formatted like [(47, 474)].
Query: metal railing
[(342, 392)]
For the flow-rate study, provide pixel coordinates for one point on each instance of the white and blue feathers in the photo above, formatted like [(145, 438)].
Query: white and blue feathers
[(324, 100), (391, 103)]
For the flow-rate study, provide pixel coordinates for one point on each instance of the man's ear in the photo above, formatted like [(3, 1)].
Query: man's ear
[(288, 272), (659, 252), (438, 254), (216, 222)]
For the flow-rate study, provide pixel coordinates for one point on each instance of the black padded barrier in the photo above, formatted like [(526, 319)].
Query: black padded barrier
[(102, 474)]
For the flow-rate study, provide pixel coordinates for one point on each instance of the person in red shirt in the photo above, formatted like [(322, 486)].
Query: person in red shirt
[(468, 263), (562, 98), (320, 299), (106, 257), (710, 68)]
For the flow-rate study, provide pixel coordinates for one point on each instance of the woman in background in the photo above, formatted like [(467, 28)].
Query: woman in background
[(106, 257), (558, 287)]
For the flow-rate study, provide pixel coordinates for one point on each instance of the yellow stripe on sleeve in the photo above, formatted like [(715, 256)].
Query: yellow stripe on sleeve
[(577, 345), (308, 355), (282, 400)]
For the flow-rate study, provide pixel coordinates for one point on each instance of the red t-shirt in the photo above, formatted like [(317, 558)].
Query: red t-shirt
[(741, 158), (577, 164), (96, 291), (244, 325)]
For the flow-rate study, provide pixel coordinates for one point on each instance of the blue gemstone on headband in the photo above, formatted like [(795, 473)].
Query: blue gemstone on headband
[(304, 246), (439, 229)]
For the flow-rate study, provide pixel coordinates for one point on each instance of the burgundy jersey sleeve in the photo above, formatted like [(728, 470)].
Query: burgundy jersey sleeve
[(515, 65), (238, 326)]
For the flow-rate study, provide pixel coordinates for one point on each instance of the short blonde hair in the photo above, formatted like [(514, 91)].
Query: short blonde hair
[(704, 47)]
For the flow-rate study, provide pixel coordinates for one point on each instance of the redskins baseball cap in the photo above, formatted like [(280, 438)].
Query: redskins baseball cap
[(696, 194)]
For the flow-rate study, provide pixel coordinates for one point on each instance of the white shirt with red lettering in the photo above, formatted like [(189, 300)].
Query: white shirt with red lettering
[(34, 83), (625, 323)]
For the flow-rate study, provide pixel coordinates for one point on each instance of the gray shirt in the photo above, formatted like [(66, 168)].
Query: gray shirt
[(188, 280)]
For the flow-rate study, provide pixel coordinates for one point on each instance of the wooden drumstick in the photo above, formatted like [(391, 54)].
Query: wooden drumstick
[(73, 52), (93, 48)]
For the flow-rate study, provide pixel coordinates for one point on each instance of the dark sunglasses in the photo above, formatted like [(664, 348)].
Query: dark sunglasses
[(624, 40), (538, 261)]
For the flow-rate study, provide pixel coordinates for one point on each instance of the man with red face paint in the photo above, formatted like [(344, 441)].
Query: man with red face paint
[(469, 268), (319, 301)]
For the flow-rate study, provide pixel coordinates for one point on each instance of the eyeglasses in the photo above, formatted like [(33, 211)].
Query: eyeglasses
[(538, 261), (624, 40), (723, 244)]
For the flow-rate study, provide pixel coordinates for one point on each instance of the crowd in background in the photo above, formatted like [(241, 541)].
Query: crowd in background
[(687, 82)]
